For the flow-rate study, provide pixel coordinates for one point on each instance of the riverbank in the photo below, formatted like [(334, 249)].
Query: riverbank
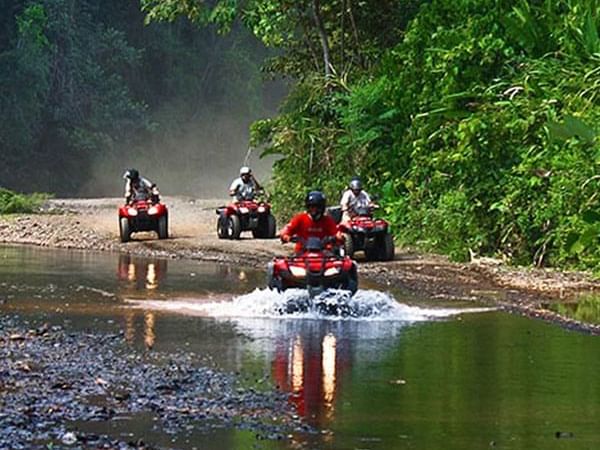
[(55, 384), (91, 224)]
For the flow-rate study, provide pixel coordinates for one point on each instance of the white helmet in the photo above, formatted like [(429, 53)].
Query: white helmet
[(245, 171)]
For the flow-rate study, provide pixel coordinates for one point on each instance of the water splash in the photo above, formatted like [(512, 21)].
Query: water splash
[(331, 305)]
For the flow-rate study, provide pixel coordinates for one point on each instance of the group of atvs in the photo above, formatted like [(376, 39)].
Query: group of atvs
[(321, 264)]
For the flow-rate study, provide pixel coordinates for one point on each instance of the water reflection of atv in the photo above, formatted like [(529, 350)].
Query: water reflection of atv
[(366, 233), (315, 268), (245, 215), (142, 214)]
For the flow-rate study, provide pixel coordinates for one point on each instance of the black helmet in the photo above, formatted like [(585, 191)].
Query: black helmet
[(132, 174), (315, 198), (356, 184)]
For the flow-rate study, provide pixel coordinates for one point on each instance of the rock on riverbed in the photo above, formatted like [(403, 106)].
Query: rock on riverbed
[(51, 380)]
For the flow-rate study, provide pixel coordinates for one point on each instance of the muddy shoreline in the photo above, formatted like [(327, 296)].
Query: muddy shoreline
[(91, 224)]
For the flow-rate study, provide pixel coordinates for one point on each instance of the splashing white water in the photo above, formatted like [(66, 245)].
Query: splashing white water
[(296, 304), (332, 305)]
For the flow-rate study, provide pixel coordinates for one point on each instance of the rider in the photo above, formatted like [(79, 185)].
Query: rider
[(354, 198), (312, 223), (245, 187), (136, 185)]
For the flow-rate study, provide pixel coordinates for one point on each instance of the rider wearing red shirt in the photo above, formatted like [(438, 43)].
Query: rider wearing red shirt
[(312, 223)]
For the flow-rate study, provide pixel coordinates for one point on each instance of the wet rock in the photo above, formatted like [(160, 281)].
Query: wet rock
[(564, 435), (96, 377), (69, 438)]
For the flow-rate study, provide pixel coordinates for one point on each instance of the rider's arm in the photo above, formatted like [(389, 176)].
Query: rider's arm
[(257, 186), (149, 186), (235, 185), (345, 201), (290, 229), (155, 193), (332, 229), (127, 190), (370, 202)]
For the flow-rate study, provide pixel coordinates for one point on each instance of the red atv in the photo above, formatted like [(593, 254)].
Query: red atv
[(365, 232), (317, 267), (142, 214), (245, 215)]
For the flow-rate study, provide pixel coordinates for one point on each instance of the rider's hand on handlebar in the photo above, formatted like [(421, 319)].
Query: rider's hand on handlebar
[(285, 238)]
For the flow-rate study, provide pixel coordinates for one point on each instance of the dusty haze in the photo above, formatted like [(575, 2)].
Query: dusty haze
[(199, 158)]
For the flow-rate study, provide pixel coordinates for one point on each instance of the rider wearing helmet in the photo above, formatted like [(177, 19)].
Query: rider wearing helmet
[(312, 223), (245, 187), (353, 198), (136, 185)]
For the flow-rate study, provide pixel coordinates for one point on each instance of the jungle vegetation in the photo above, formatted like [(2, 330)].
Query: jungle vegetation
[(88, 90), (474, 121)]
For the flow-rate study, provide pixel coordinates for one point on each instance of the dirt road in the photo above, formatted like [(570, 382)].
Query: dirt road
[(92, 224)]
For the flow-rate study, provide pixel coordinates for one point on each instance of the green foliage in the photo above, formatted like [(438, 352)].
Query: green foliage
[(64, 96), (476, 128), (12, 202), (354, 32), (88, 89)]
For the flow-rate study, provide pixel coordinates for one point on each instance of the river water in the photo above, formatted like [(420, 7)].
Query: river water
[(390, 373)]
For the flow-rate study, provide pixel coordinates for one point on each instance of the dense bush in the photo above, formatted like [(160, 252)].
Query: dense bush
[(476, 129), (11, 202)]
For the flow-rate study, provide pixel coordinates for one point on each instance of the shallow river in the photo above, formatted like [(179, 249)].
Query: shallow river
[(391, 375)]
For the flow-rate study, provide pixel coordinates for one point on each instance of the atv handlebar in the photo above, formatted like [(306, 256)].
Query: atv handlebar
[(324, 241)]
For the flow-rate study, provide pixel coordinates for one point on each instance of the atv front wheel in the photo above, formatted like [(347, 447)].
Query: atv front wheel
[(222, 227), (234, 227), (271, 227), (372, 253), (387, 248), (348, 245), (272, 282), (163, 227), (353, 280), (124, 230), (266, 228)]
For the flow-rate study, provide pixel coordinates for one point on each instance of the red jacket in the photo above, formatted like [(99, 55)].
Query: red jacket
[(303, 225)]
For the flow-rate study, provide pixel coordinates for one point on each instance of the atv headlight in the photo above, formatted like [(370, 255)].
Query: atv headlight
[(378, 228), (132, 211), (244, 210), (358, 229), (298, 271), (331, 271), (153, 210), (261, 209)]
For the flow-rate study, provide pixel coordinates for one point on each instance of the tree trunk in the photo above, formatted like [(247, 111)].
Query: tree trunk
[(355, 34), (322, 36), (309, 44), (342, 35)]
